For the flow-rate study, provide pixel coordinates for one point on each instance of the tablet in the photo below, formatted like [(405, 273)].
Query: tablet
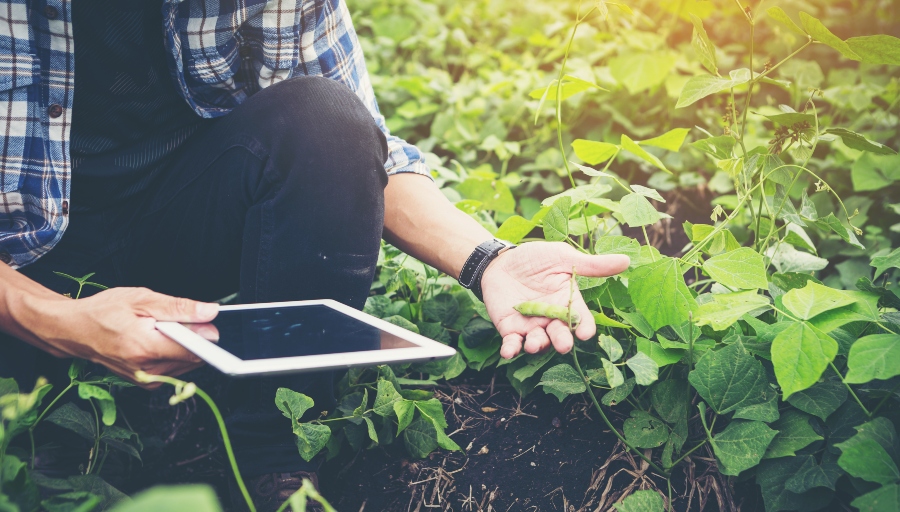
[(302, 336)]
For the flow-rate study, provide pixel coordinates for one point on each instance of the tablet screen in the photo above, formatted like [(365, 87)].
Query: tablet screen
[(294, 331)]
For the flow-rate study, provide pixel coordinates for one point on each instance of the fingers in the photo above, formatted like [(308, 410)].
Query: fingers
[(205, 331), (536, 340), (597, 266), (560, 336), (176, 309), (512, 344), (586, 328)]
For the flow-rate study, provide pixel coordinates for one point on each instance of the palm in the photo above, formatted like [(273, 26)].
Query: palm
[(541, 271)]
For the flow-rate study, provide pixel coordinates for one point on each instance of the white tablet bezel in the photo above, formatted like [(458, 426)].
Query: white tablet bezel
[(224, 361)]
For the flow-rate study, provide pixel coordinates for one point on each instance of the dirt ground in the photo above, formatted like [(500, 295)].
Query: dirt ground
[(535, 454)]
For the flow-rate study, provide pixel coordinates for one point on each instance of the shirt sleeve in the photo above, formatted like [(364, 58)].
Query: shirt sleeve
[(329, 47)]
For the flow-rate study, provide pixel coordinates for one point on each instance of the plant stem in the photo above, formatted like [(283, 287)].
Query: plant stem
[(647, 240), (96, 450), (852, 393), (227, 441), (559, 87), (885, 399), (687, 453), (776, 66), (610, 425), (46, 409)]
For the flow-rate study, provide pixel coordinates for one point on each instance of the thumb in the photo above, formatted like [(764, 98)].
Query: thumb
[(177, 309), (597, 266)]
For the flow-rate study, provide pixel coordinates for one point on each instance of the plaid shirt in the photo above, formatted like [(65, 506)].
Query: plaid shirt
[(221, 52)]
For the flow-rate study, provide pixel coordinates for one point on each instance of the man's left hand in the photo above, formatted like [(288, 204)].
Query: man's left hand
[(541, 271)]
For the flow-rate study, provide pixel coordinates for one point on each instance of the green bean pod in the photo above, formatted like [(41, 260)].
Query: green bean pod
[(546, 310)]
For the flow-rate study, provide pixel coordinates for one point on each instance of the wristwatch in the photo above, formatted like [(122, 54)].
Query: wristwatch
[(473, 270)]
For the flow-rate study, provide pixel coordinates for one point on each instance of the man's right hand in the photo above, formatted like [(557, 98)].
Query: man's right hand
[(114, 328)]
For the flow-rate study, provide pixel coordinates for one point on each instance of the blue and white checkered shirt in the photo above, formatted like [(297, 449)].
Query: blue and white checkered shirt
[(208, 42)]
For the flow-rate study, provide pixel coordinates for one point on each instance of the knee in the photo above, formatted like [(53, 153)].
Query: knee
[(321, 119)]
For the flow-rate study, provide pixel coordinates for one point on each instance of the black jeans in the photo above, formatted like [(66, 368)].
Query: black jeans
[(282, 199)]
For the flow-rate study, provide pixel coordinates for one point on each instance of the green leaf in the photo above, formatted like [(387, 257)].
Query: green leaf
[(771, 476), (672, 140), (637, 211), (883, 499), (70, 417), (535, 363), (420, 438), (743, 268), (605, 321), (632, 147), (729, 378), (820, 33), (705, 49), (868, 460), (791, 118), (820, 400), (292, 404), (433, 410), (741, 445), (611, 346), (618, 394), (614, 244), (399, 321), (645, 369), (593, 152), (105, 401), (870, 172), (645, 431), (670, 399), (813, 299), (887, 262), (648, 193), (641, 501), (561, 381), (727, 308), (404, 410), (766, 411), (860, 142), (877, 49), (778, 14), (876, 356), (662, 356), (832, 223), (865, 309), (444, 441), (800, 355), (699, 87), (78, 501), (720, 147), (571, 85), (659, 292), (492, 193), (173, 498), (613, 375), (556, 222), (640, 72), (794, 433), (812, 475), (385, 398), (441, 308), (514, 229), (311, 438)]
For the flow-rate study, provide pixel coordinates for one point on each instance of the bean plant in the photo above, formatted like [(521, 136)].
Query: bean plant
[(747, 342)]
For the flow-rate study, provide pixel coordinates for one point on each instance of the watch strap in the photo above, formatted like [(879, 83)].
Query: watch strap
[(473, 270)]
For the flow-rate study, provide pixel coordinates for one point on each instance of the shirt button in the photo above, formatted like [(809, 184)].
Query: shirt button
[(55, 110), (5, 257), (65, 207), (50, 12)]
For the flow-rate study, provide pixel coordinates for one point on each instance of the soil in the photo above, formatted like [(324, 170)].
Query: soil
[(534, 454)]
